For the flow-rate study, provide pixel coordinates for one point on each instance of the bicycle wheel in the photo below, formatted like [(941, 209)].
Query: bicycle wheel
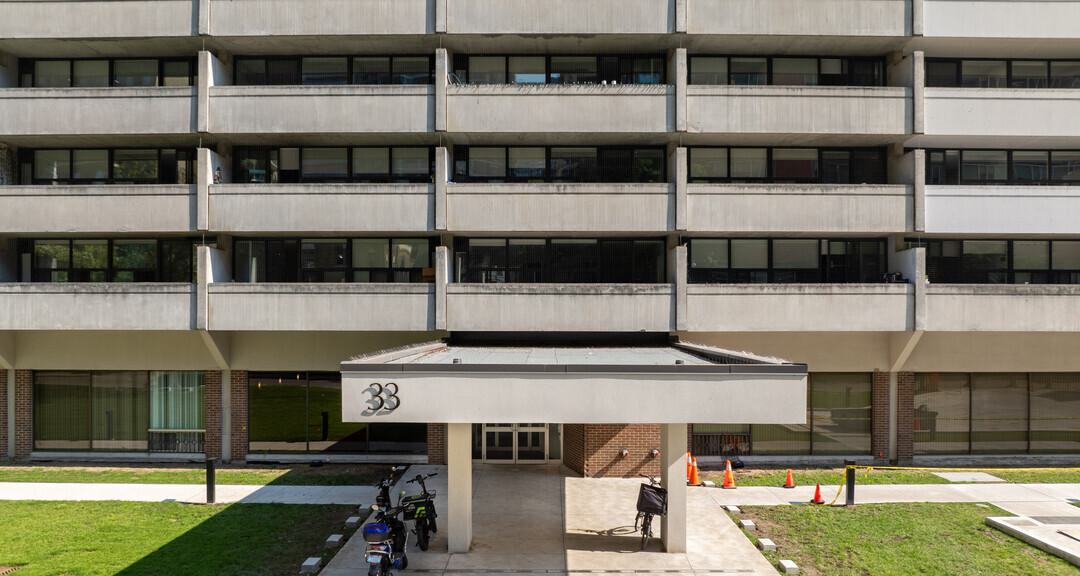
[(646, 530)]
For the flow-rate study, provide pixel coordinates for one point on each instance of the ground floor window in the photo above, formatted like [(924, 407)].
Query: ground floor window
[(119, 411), (300, 412), (997, 413), (838, 422)]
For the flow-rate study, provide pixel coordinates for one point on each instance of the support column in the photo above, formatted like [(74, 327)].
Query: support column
[(460, 487), (673, 478), (23, 409)]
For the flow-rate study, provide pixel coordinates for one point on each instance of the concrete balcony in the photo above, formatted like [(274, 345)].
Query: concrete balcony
[(826, 208), (874, 18), (885, 112), (66, 19), (1002, 209), (79, 306), (322, 207), (799, 307), (586, 17), (321, 109), (1001, 115), (97, 111), (320, 17), (541, 109), (98, 209), (1041, 19), (1002, 308), (321, 307), (560, 208), (559, 307)]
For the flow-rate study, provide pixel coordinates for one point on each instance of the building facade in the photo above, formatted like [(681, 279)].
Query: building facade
[(207, 205)]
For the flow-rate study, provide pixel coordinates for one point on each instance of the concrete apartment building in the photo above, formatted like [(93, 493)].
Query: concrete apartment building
[(208, 206)]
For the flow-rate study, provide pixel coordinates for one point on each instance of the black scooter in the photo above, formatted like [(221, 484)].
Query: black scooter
[(420, 508), (386, 535)]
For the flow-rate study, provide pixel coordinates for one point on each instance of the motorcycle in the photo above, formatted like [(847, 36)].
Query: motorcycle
[(387, 541), (420, 508)]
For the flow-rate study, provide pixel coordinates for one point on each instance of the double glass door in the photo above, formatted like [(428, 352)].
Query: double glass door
[(514, 443)]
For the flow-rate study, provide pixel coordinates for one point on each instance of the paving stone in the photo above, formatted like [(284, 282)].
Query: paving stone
[(352, 521), (733, 509), (968, 477), (334, 540), (766, 545), (311, 565), (748, 524), (709, 484), (789, 567)]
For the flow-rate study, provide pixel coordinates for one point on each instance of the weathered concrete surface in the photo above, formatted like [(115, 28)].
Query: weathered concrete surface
[(798, 17), (95, 111), (999, 112), (1002, 308), (99, 19), (77, 306), (560, 16), (320, 17), (102, 208), (1002, 209), (1000, 19)]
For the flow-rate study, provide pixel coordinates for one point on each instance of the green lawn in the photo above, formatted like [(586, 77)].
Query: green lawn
[(890, 539), (301, 475), (129, 539), (809, 477)]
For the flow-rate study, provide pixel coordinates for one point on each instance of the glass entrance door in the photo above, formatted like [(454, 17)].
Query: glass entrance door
[(515, 443)]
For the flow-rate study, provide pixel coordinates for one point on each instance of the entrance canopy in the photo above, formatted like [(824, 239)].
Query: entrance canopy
[(678, 382)]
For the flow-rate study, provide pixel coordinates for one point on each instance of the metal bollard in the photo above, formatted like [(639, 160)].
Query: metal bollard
[(849, 470), (211, 480)]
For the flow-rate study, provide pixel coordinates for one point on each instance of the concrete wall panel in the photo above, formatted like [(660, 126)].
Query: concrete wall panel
[(94, 111), (560, 16), (1002, 308), (68, 19), (1002, 209), (97, 306), (320, 17), (1001, 18), (799, 17), (102, 209), (322, 307), (1002, 111)]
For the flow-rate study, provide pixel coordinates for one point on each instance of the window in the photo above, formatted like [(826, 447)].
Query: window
[(106, 260), (836, 166), (1024, 74), (983, 73), (499, 69), (749, 163), (795, 71), (707, 70), (52, 165), (92, 74), (751, 255), (573, 70), (137, 73), (796, 261), (371, 163), (334, 260), (250, 72), (999, 420), (1030, 165), (987, 167), (563, 260), (368, 165), (574, 164), (528, 69), (708, 163), (749, 71), (102, 73), (325, 71), (413, 70), (102, 166), (1065, 166), (1055, 413), (1065, 74), (528, 163), (487, 163), (411, 164), (788, 165), (135, 165), (487, 70), (324, 165), (134, 260), (785, 260), (371, 70), (840, 413), (942, 414), (984, 166), (323, 260), (559, 164), (1002, 261), (795, 164), (1030, 74), (52, 73), (176, 73)]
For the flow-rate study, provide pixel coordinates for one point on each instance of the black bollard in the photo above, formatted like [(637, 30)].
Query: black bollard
[(211, 480), (849, 470)]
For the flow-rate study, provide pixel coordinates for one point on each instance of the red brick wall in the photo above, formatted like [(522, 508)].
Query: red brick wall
[(212, 416), (574, 447), (879, 429), (436, 443), (24, 413), (905, 416), (604, 441), (3, 414), (238, 398)]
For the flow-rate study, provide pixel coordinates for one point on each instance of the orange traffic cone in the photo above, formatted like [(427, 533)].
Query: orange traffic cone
[(729, 477), (695, 480), (689, 466), (790, 482), (817, 496)]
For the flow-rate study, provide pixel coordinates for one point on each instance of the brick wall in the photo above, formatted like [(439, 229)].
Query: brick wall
[(238, 397), (24, 413), (436, 443), (905, 416), (574, 447), (212, 416), (3, 414), (604, 441), (879, 429)]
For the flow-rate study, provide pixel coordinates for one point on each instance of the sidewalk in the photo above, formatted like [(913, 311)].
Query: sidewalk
[(188, 493)]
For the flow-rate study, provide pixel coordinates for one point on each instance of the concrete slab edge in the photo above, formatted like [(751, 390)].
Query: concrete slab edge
[(1000, 524)]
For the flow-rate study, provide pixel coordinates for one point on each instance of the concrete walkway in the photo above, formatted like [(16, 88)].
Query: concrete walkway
[(188, 493)]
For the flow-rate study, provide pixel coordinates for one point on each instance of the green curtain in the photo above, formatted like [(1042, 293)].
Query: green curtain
[(176, 401)]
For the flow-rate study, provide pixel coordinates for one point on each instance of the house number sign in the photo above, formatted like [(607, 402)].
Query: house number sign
[(383, 398)]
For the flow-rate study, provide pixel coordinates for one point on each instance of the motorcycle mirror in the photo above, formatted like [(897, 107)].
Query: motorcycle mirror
[(375, 507)]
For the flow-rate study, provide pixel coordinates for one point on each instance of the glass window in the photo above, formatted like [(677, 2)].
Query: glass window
[(135, 73), (795, 164), (176, 73), (836, 166), (648, 71), (795, 71), (942, 414), (371, 253), (62, 411), (708, 253), (648, 165), (707, 163), (833, 72), (277, 412), (412, 70), (134, 260), (868, 167), (1055, 413), (52, 164), (89, 260), (983, 73), (986, 261), (1031, 255), (487, 70), (323, 71), (487, 162), (792, 253), (1065, 74), (749, 71), (573, 70), (326, 431), (528, 163), (176, 411), (52, 258), (177, 257), (250, 261), (91, 73), (283, 71), (486, 260), (749, 163), (575, 261), (984, 166), (371, 162), (525, 260), (942, 74), (999, 420), (1030, 74), (1031, 165), (411, 162), (574, 164), (323, 260), (840, 413), (250, 71), (325, 164), (52, 73), (90, 164), (1065, 166), (528, 69), (411, 253), (750, 254), (135, 165), (1066, 255), (708, 70), (120, 411), (371, 70)]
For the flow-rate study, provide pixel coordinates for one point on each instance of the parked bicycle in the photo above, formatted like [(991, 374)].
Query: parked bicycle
[(420, 508), (652, 501)]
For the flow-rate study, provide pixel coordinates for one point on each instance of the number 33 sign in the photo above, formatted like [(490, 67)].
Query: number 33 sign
[(382, 398)]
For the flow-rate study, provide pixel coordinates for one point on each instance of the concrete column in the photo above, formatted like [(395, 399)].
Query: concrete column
[(204, 17), (440, 17), (919, 186), (460, 487), (917, 17), (442, 78), (681, 179), (681, 280), (918, 91), (442, 278), (680, 16), (678, 76), (442, 178), (673, 478)]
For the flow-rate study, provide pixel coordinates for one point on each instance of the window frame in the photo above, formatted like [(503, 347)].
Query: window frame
[(240, 153), (461, 163), (1053, 275), (770, 177), (26, 67), (461, 67), (349, 270), (510, 273), (770, 79), (28, 156), (1010, 180), (28, 245), (350, 71), (737, 275), (957, 81)]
